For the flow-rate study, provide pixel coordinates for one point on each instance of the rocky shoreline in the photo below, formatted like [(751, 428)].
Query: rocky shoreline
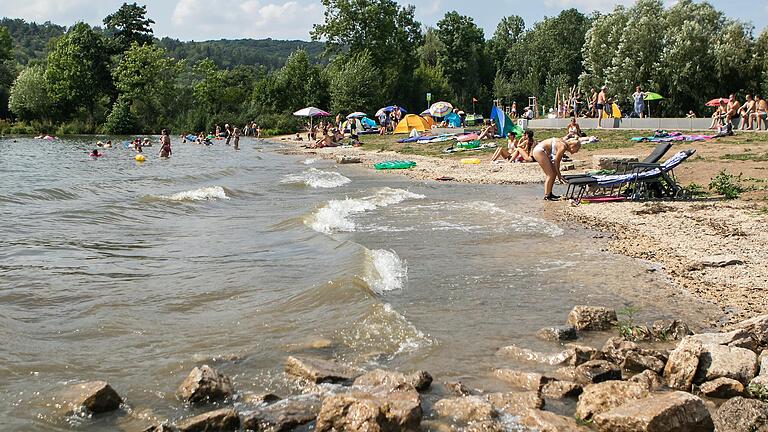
[(699, 382)]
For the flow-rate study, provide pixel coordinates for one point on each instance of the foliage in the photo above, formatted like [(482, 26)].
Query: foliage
[(128, 26), (628, 329), (29, 95), (228, 54), (6, 45), (694, 190), (463, 57), (121, 120), (31, 40), (758, 391), (727, 185), (352, 83), (296, 85)]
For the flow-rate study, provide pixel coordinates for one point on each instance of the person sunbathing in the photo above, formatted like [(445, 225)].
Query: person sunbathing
[(489, 131), (760, 114), (732, 108), (719, 115), (518, 150), (746, 111), (574, 130), (502, 153)]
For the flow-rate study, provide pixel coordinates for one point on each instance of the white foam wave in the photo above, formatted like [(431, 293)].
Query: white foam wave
[(310, 161), (202, 194), (335, 215), (387, 272), (315, 178)]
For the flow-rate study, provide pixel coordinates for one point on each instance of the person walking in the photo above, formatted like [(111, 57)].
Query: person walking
[(236, 134), (600, 106), (639, 106)]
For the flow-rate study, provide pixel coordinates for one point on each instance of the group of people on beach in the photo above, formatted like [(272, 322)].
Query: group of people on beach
[(752, 115)]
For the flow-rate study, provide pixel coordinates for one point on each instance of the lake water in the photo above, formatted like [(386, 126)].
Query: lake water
[(134, 273)]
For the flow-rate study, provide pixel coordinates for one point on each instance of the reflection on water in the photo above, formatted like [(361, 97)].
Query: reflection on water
[(134, 273)]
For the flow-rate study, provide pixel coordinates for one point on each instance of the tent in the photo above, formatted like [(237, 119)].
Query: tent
[(504, 124), (452, 120), (410, 122), (368, 123), (430, 121)]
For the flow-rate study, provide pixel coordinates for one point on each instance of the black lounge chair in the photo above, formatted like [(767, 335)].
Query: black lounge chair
[(645, 181)]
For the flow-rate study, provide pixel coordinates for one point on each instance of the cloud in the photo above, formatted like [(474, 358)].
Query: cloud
[(63, 12), (196, 19)]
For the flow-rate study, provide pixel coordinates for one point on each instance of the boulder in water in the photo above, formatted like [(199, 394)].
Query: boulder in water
[(592, 318), (667, 412), (561, 389), (420, 380), (94, 397), (514, 403), (682, 364), (718, 361), (557, 333), (544, 421), (466, 409), (204, 384), (319, 371), (382, 409), (596, 371), (523, 380), (605, 396), (284, 415), (637, 362)]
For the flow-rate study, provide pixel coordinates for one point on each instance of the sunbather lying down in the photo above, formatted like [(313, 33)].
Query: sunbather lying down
[(517, 150)]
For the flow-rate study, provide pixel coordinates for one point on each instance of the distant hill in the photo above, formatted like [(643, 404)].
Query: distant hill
[(31, 41)]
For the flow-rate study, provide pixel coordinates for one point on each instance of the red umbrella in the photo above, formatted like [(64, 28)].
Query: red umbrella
[(716, 102)]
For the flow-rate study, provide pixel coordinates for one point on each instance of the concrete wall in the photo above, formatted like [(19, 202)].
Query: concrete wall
[(629, 123)]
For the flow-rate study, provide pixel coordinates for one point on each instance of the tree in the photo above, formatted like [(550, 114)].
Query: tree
[(121, 119), (6, 45), (7, 69), (599, 48), (463, 57), (509, 32), (77, 73), (429, 51), (352, 84), (29, 95), (296, 85), (128, 26)]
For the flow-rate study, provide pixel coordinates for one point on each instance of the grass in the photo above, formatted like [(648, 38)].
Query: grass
[(745, 157)]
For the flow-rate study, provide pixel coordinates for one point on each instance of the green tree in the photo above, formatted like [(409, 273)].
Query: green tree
[(429, 51), (599, 49), (352, 83), (508, 32), (129, 25), (29, 96), (6, 45), (734, 52), (463, 56), (296, 85), (77, 69), (121, 119), (7, 69)]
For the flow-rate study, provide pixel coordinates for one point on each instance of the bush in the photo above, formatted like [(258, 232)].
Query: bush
[(279, 124), (121, 120), (727, 185)]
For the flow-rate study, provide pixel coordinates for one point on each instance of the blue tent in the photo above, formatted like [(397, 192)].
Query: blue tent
[(368, 123), (504, 124), (452, 119)]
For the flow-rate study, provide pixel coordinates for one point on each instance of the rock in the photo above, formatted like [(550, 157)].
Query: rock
[(573, 355), (524, 354), (557, 333), (757, 327), (596, 371), (611, 162), (484, 426), (524, 380), (515, 403), (720, 261), (259, 398), (221, 420), (384, 409), (567, 373), (667, 412), (605, 396), (649, 379), (682, 364), (762, 361), (669, 329), (544, 421), (93, 397), (458, 388), (466, 409), (420, 380), (737, 338), (718, 361), (616, 348), (561, 389), (742, 415), (592, 318), (283, 415), (161, 428), (320, 371), (722, 388), (636, 362), (344, 159), (204, 384)]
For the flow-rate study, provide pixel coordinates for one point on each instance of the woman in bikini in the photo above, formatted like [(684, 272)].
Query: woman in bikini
[(549, 153)]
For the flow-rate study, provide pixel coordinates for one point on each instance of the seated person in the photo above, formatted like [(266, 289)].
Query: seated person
[(298, 137), (718, 117), (745, 111), (760, 113), (505, 153), (574, 130), (488, 132), (732, 108), (690, 114), (518, 150)]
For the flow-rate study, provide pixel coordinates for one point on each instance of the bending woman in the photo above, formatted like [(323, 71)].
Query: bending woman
[(548, 154)]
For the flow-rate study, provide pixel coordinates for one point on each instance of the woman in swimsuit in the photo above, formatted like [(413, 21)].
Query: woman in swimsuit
[(549, 153)]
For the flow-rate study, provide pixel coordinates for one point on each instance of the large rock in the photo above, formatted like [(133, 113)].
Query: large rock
[(616, 349), (596, 371), (222, 420), (283, 415), (420, 380), (204, 384), (544, 421), (592, 318), (682, 364), (93, 397), (668, 412), (561, 389), (717, 361), (161, 428), (722, 388), (458, 388), (320, 371), (669, 329), (524, 380), (602, 397), (384, 409), (572, 355), (742, 415), (737, 338), (514, 403), (557, 333), (259, 398), (649, 379), (612, 162), (466, 409), (757, 327), (637, 362)]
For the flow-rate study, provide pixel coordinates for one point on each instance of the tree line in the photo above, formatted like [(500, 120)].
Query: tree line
[(120, 79)]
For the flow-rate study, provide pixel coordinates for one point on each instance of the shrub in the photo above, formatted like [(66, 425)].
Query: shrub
[(121, 120), (727, 185)]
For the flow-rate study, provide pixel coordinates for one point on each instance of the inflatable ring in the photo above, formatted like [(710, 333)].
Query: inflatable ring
[(140, 158)]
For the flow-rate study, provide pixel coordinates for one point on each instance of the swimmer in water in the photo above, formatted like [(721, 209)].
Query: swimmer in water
[(95, 153), (549, 153), (108, 144)]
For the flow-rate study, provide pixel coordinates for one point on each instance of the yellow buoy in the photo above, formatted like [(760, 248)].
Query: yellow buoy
[(140, 158), (470, 161)]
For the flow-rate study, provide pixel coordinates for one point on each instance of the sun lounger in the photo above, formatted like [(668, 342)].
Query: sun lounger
[(654, 157), (645, 181)]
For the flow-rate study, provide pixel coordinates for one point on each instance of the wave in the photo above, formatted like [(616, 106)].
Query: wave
[(310, 161), (386, 271), (202, 194), (335, 215), (315, 178)]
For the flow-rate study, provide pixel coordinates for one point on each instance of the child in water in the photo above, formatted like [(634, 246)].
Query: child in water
[(95, 153)]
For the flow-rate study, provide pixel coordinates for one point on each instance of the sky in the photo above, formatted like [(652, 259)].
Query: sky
[(293, 19)]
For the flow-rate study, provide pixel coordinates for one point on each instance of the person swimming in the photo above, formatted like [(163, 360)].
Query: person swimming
[(95, 153), (549, 153)]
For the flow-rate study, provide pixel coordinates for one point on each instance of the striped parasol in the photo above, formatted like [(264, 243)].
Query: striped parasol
[(439, 109)]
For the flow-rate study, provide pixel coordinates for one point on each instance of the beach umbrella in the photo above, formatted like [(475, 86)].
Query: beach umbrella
[(425, 113), (651, 96), (439, 109), (389, 109), (357, 114), (716, 102), (311, 112)]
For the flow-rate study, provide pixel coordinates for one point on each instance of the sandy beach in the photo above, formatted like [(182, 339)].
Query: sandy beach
[(678, 236)]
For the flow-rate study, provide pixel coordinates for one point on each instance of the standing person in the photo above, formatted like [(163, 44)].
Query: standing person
[(592, 101), (218, 131), (165, 144), (513, 111), (600, 106), (236, 134), (228, 131), (639, 106), (338, 121), (383, 122), (549, 153)]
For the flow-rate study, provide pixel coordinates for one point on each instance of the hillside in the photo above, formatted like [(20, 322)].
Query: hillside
[(32, 39)]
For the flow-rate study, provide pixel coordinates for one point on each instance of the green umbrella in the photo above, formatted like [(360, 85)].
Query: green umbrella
[(651, 96)]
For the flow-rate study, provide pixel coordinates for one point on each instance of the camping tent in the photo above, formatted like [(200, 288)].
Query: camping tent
[(452, 120), (504, 124), (410, 122), (430, 121)]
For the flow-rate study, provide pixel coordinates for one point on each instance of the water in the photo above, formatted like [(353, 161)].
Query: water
[(135, 273)]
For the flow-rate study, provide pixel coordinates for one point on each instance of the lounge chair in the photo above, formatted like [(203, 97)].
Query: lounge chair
[(645, 181)]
